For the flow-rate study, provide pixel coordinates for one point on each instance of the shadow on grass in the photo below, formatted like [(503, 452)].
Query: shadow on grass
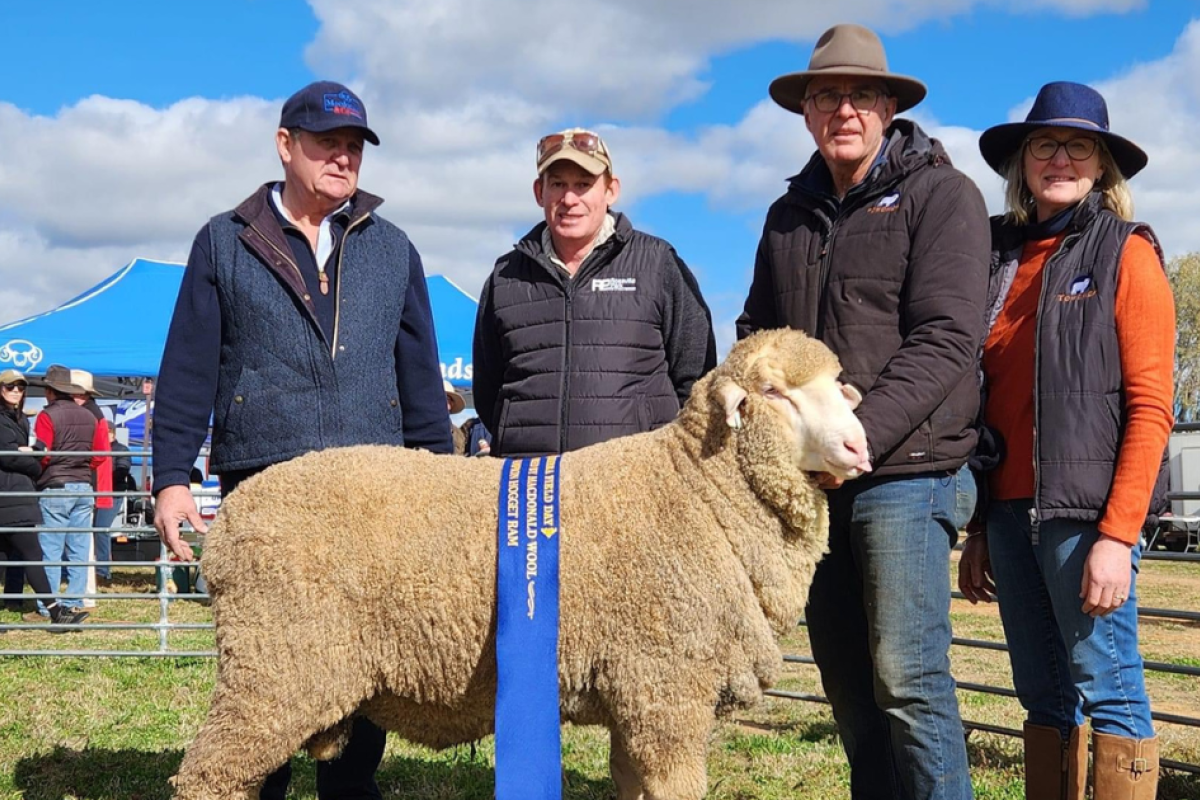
[(805, 731), (98, 774), (1178, 786)]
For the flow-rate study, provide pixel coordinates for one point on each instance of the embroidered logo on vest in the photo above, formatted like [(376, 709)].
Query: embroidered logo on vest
[(1082, 288)]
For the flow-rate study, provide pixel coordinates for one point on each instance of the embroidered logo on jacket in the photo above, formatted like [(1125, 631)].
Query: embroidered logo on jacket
[(614, 284), (886, 204)]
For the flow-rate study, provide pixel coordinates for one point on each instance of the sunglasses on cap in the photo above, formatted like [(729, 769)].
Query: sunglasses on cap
[(583, 141), (11, 386)]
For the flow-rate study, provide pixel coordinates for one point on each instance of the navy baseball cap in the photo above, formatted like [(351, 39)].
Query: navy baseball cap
[(325, 106)]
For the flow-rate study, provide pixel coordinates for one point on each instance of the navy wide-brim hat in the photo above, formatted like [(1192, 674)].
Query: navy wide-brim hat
[(1062, 105), (326, 106)]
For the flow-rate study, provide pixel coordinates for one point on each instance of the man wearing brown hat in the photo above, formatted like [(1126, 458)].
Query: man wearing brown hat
[(637, 331), (302, 323), (880, 249), (66, 483)]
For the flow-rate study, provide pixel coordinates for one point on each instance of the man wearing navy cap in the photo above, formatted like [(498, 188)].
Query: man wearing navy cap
[(296, 312)]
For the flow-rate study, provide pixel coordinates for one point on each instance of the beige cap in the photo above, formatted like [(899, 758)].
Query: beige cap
[(12, 376), (577, 145), (456, 401)]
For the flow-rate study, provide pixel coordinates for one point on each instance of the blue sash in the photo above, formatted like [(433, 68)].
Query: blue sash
[(528, 745)]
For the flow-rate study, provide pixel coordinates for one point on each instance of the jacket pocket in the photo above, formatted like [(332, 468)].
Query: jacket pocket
[(501, 432)]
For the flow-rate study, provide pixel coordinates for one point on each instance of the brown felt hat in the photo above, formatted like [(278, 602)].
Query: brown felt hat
[(58, 378), (847, 50)]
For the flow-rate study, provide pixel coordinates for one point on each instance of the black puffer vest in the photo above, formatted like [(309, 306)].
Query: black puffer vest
[(1079, 403), (586, 357)]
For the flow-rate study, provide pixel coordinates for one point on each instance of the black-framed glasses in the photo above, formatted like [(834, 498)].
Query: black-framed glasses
[(1080, 148), (20, 387), (831, 100)]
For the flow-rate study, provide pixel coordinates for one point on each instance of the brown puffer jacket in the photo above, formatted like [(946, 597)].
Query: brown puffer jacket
[(894, 279)]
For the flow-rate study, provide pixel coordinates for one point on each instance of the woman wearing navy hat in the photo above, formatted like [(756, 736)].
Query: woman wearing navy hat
[(1078, 386)]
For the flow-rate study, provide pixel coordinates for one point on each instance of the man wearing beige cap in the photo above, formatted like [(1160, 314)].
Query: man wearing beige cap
[(102, 478), (587, 329), (880, 249)]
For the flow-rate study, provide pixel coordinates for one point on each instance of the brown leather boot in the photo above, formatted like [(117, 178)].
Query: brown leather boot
[(1055, 769), (1124, 769)]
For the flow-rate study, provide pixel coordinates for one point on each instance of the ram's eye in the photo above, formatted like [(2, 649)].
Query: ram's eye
[(772, 392)]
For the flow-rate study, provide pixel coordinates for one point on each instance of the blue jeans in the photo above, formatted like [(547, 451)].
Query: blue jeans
[(104, 519), (1066, 665), (879, 623), (59, 511)]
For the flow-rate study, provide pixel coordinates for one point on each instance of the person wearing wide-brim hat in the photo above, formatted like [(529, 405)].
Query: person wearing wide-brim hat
[(879, 248), (1078, 367)]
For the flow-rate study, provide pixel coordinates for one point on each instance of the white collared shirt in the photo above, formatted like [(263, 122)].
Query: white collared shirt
[(324, 237)]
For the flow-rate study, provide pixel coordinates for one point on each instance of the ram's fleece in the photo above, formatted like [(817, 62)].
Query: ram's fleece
[(362, 580)]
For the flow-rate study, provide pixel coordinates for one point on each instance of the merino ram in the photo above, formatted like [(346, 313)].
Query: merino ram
[(362, 581)]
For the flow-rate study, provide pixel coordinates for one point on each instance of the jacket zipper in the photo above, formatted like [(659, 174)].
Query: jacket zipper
[(337, 290), (1035, 517)]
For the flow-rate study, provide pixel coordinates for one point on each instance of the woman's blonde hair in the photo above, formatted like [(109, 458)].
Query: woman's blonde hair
[(1019, 205)]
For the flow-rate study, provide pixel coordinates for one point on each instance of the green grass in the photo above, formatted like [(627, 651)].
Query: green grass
[(116, 729)]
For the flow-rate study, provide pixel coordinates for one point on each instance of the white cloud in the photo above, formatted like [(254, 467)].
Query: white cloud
[(459, 91)]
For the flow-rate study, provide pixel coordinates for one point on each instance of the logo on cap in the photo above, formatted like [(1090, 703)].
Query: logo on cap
[(343, 103)]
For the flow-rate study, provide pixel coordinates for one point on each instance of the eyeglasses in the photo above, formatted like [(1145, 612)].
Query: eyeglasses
[(1043, 148), (13, 387), (583, 141), (831, 99)]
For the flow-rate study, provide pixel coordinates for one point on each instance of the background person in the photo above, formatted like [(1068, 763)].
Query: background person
[(638, 331), (18, 474), (879, 249), (65, 426), (302, 323), (1081, 351), (102, 476)]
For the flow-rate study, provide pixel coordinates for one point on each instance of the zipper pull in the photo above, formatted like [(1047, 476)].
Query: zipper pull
[(324, 278), (1033, 526)]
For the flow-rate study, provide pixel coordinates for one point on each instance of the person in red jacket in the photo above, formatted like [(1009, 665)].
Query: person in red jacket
[(1078, 370), (102, 477)]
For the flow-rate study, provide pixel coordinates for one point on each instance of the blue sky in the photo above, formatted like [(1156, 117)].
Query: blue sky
[(127, 130)]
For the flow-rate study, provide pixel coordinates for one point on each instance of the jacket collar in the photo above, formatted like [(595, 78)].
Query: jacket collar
[(906, 148), (257, 210), (531, 243)]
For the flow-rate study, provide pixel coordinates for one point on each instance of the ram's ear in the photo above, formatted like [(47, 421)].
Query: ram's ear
[(853, 396), (731, 396)]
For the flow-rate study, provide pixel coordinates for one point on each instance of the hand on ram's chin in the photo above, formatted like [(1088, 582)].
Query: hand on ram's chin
[(839, 471)]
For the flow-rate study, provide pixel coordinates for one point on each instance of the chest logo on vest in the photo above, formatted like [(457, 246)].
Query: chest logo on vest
[(614, 284), (886, 204), (1082, 288)]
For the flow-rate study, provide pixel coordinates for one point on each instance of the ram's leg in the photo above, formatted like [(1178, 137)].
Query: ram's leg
[(624, 774), (258, 719), (663, 731)]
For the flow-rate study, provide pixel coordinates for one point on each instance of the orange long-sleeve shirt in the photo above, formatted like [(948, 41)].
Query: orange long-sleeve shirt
[(1145, 321)]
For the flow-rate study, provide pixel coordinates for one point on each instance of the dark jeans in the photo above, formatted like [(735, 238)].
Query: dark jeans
[(351, 776), (879, 623), (1066, 665)]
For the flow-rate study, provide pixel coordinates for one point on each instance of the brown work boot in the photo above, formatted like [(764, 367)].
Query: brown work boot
[(1123, 768), (1055, 769)]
